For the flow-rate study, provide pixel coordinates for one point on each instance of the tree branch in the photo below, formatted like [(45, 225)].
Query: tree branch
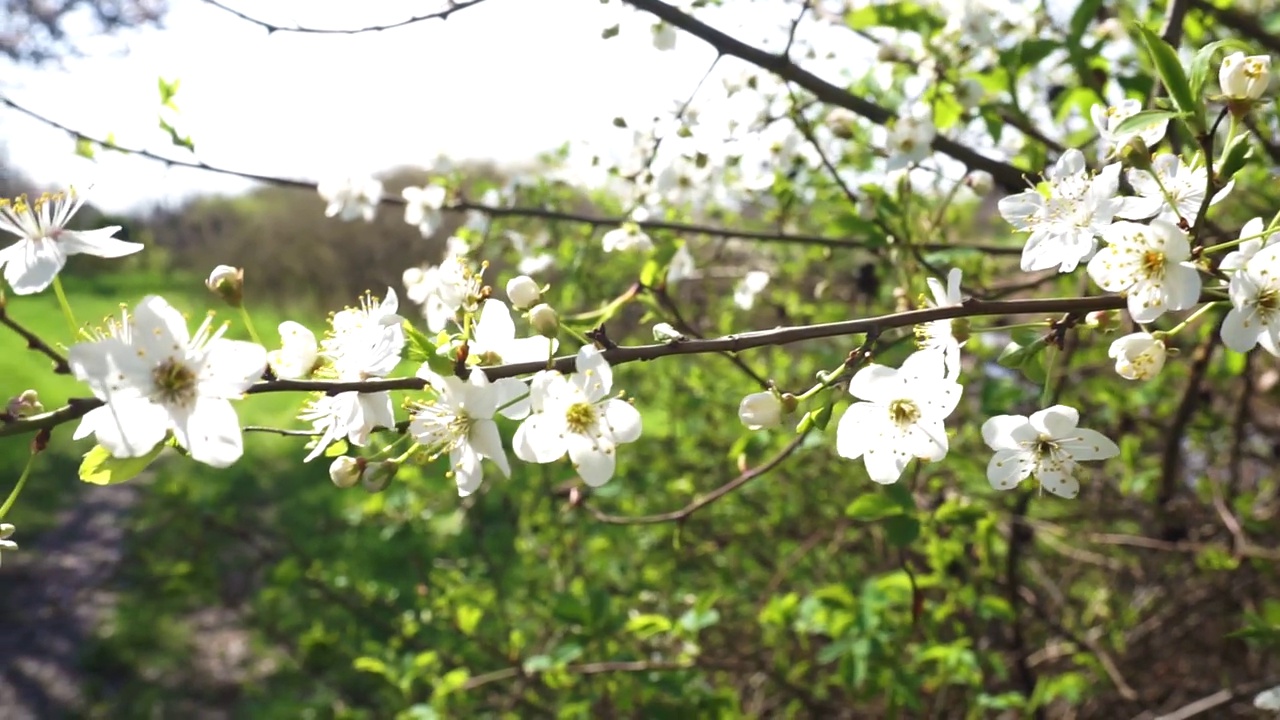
[(34, 342), (77, 407), (453, 7), (1009, 177)]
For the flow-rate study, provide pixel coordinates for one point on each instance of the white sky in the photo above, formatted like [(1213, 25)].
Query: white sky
[(504, 80)]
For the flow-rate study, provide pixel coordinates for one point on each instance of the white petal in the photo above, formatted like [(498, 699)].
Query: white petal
[(876, 383), (98, 243), (31, 266), (1059, 482), (539, 440), (159, 329), (595, 461), (130, 428), (1008, 467), (506, 391), (927, 440), (593, 373), (210, 431), (1084, 444), (859, 427), (1182, 285), (230, 367), (468, 472), (885, 463), (487, 442), (1056, 422), (622, 419), (494, 328), (1007, 432)]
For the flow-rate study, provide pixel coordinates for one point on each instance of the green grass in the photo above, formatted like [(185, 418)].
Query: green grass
[(54, 478)]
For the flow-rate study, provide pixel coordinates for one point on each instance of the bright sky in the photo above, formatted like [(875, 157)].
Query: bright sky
[(504, 80)]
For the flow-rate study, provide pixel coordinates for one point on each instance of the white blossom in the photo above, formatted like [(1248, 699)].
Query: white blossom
[(1244, 78), (523, 291), (459, 421), (682, 266), (910, 141), (1150, 264), (760, 410), (365, 343), (1254, 230), (345, 471), (1184, 184), (298, 354), (751, 285), (1064, 223), (940, 335), (1138, 356), (44, 242), (574, 415), (155, 378), (351, 197), (627, 238), (1254, 318), (443, 290), (1047, 445), (422, 207), (6, 532), (901, 416), (494, 341), (664, 36), (1107, 120)]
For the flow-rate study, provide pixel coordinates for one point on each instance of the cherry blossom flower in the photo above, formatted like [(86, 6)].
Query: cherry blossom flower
[(459, 421), (940, 335), (1254, 318), (1184, 184), (1238, 258), (1150, 264), (910, 141), (574, 415), (156, 378), (44, 242), (1047, 445), (1064, 223), (1244, 78), (351, 197), (760, 410), (494, 341), (422, 207), (900, 417), (1138, 356)]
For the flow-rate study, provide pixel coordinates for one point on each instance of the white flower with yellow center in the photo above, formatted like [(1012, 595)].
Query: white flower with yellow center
[(1048, 445), (156, 378), (1170, 189), (1138, 356), (1254, 318), (31, 264), (494, 341), (365, 343), (574, 415), (459, 421), (1150, 265), (1065, 221), (901, 416), (351, 197)]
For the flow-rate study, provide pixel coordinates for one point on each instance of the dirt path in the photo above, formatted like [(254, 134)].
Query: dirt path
[(53, 593)]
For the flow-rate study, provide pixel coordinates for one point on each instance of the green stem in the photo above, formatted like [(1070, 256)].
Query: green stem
[(1190, 319), (1232, 243), (1050, 359), (17, 489), (248, 324), (66, 307)]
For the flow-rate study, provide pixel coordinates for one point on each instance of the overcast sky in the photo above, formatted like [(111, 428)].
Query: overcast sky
[(504, 80)]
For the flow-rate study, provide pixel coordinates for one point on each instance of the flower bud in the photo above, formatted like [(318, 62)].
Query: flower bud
[(544, 320), (227, 283), (980, 182), (377, 476), (1138, 356), (760, 410), (1103, 320), (5, 543), (345, 471), (842, 123), (1244, 78), (523, 292), (24, 405), (663, 332)]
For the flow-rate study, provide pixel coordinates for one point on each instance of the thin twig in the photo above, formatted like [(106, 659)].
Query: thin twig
[(34, 342), (454, 6)]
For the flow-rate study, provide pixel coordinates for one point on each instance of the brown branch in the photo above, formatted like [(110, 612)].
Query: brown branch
[(463, 205), (454, 6), (693, 507), (1007, 176), (34, 342), (77, 407)]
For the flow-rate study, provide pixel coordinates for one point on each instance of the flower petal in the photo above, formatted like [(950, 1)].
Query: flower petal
[(210, 431), (98, 243), (1056, 422), (595, 460)]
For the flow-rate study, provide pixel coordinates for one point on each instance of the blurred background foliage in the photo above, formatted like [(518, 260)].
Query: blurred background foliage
[(264, 591)]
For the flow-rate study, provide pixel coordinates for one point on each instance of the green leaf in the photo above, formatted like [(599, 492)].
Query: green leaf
[(167, 92), (1144, 119), (1174, 77), (182, 141), (901, 530), (84, 148), (696, 619), (452, 680), (647, 625), (900, 15), (339, 447), (468, 618), (100, 468), (873, 506), (1234, 158)]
